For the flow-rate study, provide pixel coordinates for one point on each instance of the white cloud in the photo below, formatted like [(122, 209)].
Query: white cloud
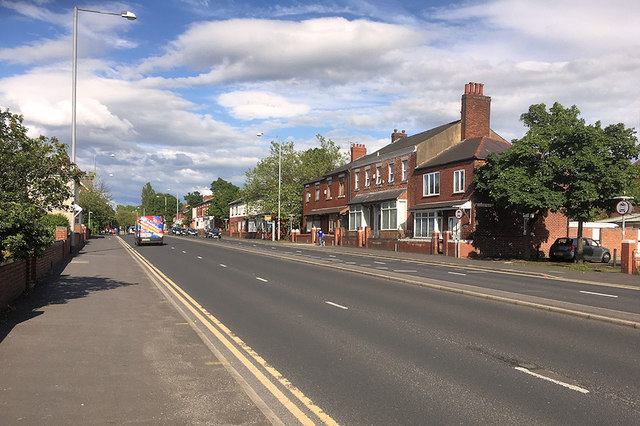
[(252, 105)]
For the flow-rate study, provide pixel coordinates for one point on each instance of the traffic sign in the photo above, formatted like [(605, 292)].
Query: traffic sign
[(623, 207), (459, 213)]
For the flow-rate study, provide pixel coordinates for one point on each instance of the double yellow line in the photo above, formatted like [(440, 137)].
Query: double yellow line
[(244, 355)]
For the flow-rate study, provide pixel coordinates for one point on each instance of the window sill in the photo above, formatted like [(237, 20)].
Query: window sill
[(430, 195), (340, 196)]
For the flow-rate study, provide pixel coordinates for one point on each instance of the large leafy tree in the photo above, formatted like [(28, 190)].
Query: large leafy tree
[(97, 200), (561, 164), (126, 215), (297, 167), (192, 198), (147, 200), (35, 177), (223, 193)]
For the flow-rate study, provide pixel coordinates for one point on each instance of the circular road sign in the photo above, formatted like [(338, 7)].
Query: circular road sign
[(459, 214), (623, 207)]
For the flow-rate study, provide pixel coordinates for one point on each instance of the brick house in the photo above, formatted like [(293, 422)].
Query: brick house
[(199, 218)]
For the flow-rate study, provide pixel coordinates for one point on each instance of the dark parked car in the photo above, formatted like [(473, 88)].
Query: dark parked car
[(176, 230), (192, 231), (212, 233), (565, 249)]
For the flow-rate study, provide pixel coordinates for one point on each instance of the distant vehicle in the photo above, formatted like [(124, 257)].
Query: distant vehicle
[(131, 230), (176, 230), (212, 233), (149, 230), (192, 231), (565, 249)]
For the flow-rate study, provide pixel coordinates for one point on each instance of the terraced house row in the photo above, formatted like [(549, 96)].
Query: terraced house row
[(417, 193)]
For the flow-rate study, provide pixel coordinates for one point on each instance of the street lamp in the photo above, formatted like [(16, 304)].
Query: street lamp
[(90, 219), (279, 176), (125, 14)]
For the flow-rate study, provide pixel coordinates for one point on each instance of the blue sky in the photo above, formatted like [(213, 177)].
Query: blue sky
[(179, 94)]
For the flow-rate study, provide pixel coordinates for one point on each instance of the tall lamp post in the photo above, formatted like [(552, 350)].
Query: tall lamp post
[(125, 14), (279, 176)]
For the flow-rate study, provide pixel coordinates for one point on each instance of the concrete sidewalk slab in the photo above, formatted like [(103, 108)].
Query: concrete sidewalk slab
[(99, 343)]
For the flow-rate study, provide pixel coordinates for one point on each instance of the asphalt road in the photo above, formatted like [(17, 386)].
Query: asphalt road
[(373, 351)]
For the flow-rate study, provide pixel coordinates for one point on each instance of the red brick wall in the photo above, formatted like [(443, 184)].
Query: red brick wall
[(16, 276), (476, 112)]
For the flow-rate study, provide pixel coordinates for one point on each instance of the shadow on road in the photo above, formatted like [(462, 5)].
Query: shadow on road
[(56, 289)]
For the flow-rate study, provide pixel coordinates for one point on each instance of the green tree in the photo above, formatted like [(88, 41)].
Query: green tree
[(297, 167), (223, 193), (96, 200), (191, 199), (126, 215), (147, 200), (35, 177), (561, 164)]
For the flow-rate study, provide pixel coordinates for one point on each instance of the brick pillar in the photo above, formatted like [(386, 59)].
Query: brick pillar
[(336, 236), (360, 237), (627, 256), (445, 243), (367, 235), (435, 240), (314, 235)]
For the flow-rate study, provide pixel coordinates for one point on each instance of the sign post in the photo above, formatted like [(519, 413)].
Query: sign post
[(623, 208), (459, 214)]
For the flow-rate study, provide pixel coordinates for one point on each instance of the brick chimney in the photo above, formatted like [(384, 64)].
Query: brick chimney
[(395, 136), (476, 111), (357, 151)]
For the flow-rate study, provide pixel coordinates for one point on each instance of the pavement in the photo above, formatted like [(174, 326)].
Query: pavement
[(98, 343)]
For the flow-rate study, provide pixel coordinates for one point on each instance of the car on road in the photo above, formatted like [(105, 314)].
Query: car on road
[(176, 230), (565, 249), (191, 232), (212, 233)]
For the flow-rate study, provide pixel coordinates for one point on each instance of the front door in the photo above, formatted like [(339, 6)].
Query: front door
[(454, 228)]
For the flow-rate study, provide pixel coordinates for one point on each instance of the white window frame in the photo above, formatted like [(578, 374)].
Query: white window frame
[(317, 191), (389, 215), (341, 188), (404, 169), (367, 178), (425, 223), (431, 184), (356, 219), (458, 181), (356, 179), (329, 182), (390, 170), (378, 175)]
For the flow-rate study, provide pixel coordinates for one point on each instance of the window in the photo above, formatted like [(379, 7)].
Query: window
[(317, 191), (431, 184), (329, 182), (378, 175), (426, 224), (308, 195), (389, 215), (367, 178), (356, 179), (404, 170), (341, 188), (355, 218), (390, 172), (458, 181)]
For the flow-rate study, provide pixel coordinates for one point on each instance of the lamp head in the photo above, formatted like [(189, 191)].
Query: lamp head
[(129, 15)]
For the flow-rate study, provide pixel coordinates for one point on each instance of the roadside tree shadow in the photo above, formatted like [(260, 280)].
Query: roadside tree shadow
[(56, 289)]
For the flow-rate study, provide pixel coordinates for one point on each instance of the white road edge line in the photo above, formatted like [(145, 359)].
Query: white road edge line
[(456, 273), (599, 294), (405, 270), (336, 305), (261, 279), (557, 382)]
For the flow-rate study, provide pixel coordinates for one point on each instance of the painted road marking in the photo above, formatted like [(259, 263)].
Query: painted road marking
[(331, 255), (335, 304), (298, 251), (350, 263), (183, 251), (261, 279), (223, 265), (199, 257), (381, 267), (173, 248), (243, 353), (599, 294), (379, 263), (79, 261), (404, 270), (557, 382), (216, 363), (456, 273)]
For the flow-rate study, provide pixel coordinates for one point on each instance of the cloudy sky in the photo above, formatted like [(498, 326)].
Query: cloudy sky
[(179, 94)]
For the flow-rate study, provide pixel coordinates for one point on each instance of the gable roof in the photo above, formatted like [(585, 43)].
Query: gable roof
[(405, 145), (470, 149)]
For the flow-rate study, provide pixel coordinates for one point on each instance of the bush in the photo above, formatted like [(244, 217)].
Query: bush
[(50, 222)]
